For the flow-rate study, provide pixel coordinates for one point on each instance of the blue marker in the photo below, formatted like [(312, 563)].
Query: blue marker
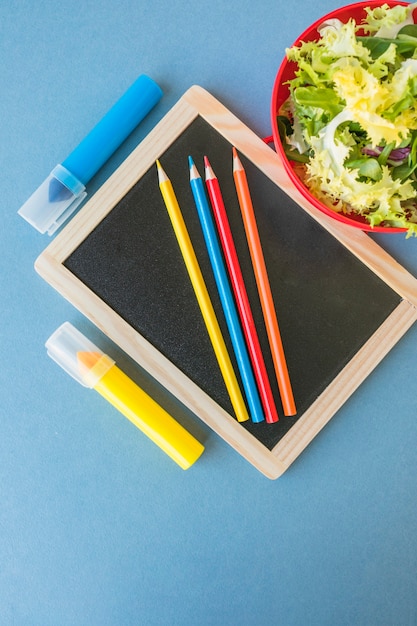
[(225, 293), (64, 189)]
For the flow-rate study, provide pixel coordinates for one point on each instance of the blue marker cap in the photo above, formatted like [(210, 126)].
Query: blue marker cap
[(64, 189)]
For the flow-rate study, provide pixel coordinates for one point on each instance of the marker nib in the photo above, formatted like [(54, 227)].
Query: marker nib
[(58, 192)]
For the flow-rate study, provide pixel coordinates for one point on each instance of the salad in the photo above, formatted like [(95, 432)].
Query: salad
[(350, 121)]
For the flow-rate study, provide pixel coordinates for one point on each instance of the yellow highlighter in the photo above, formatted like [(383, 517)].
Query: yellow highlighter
[(80, 358)]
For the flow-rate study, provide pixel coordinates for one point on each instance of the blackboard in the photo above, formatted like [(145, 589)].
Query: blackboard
[(336, 312)]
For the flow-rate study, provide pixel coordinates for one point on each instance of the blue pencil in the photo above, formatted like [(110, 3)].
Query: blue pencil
[(225, 293)]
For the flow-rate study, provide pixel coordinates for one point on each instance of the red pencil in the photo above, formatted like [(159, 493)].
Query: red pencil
[(241, 296), (264, 289)]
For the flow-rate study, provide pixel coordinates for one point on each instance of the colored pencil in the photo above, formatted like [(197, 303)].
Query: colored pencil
[(202, 295), (225, 293), (241, 296), (264, 288)]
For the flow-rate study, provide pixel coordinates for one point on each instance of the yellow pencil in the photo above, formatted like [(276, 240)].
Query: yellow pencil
[(202, 295)]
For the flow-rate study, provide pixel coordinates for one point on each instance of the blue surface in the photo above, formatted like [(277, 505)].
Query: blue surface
[(97, 526)]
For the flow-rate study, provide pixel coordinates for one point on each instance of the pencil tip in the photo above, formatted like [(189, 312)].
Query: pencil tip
[(193, 169), (162, 177), (237, 164), (210, 175)]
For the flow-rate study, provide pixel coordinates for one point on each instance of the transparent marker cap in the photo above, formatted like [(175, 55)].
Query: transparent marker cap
[(78, 356), (54, 201)]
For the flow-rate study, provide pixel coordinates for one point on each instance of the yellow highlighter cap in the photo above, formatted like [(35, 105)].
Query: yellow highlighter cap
[(78, 356)]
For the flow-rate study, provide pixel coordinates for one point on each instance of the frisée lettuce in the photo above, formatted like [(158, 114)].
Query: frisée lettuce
[(351, 116)]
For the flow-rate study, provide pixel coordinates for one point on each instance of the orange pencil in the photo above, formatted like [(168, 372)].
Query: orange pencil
[(264, 288)]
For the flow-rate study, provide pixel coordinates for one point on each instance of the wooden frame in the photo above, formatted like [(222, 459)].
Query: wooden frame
[(50, 265)]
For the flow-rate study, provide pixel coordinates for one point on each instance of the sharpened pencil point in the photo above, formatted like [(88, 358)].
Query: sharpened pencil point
[(193, 169), (162, 177), (210, 175), (237, 165)]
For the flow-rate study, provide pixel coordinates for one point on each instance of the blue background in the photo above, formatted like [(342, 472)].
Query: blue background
[(97, 526)]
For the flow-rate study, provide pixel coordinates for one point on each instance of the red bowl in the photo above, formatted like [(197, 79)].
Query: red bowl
[(280, 94)]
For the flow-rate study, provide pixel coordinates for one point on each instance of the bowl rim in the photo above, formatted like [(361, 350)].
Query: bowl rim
[(358, 222)]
